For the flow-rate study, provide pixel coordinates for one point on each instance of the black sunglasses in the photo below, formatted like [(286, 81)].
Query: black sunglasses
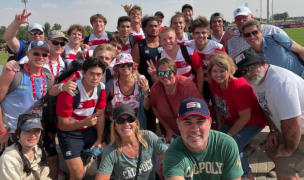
[(42, 54), (130, 119), (253, 33), (36, 33), (245, 70), (55, 43), (162, 73), (123, 65)]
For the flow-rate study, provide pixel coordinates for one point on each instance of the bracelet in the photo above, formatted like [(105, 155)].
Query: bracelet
[(3, 132), (60, 87)]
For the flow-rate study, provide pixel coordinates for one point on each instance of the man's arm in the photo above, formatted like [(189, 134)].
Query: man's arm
[(298, 49), (65, 124), (11, 31), (100, 124), (135, 54)]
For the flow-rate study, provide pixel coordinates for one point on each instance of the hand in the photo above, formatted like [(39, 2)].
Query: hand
[(21, 18), (282, 152), (12, 66), (151, 68), (143, 84), (85, 46), (70, 86), (272, 139), (229, 33), (127, 7), (4, 140), (91, 120), (169, 134), (80, 55), (97, 144)]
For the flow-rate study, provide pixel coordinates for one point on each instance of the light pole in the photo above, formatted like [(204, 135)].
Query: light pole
[(25, 1)]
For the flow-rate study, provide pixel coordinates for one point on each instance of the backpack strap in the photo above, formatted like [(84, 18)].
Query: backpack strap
[(187, 57), (108, 75), (86, 39), (189, 36), (131, 40), (48, 76), (77, 97), (109, 35), (158, 56), (141, 48)]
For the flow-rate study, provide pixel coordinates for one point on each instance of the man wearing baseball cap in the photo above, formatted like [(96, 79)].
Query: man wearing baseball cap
[(200, 153), (187, 11), (160, 16), (217, 24), (17, 46), (280, 93), (233, 40)]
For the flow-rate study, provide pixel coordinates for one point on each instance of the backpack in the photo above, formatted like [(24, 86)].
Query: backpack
[(72, 67), (86, 39), (131, 40), (185, 55)]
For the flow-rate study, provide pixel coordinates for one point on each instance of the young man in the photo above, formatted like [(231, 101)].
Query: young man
[(200, 153), (187, 11), (76, 129), (268, 47), (217, 24), (18, 47), (135, 14), (160, 16), (173, 51), (280, 94)]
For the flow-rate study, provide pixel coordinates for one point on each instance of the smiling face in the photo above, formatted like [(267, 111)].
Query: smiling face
[(241, 19), (168, 40), (105, 56), (35, 37), (188, 14), (200, 35), (135, 16), (219, 74), (178, 24), (217, 24), (253, 40), (256, 76), (166, 80), (124, 29), (30, 138), (127, 129), (98, 25), (37, 61), (56, 49), (75, 37), (195, 132)]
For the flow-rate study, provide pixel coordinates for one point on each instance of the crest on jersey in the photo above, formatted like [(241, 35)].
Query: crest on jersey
[(160, 49)]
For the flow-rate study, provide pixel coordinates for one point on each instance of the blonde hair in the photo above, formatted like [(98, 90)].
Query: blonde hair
[(134, 73), (105, 47), (135, 8), (117, 142), (224, 61)]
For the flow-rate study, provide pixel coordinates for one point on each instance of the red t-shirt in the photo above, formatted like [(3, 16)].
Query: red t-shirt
[(86, 105), (236, 97), (185, 89)]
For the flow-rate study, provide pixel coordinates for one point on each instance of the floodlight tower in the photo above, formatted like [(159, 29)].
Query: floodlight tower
[(25, 1)]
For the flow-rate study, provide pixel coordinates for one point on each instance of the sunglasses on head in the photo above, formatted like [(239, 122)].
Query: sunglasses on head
[(253, 33), (162, 73), (130, 119), (42, 54), (124, 64), (55, 43), (245, 70), (36, 33)]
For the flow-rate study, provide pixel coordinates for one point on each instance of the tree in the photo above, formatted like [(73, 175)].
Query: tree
[(285, 15), (56, 27), (22, 33), (2, 30), (46, 29), (88, 30)]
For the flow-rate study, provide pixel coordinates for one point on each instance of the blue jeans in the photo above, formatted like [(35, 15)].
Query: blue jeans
[(242, 138)]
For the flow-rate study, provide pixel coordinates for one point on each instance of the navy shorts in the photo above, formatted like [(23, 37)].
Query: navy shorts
[(72, 142)]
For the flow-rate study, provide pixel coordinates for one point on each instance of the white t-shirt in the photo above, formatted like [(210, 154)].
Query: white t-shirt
[(217, 40), (281, 95)]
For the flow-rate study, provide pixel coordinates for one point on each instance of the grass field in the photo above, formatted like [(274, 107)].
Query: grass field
[(297, 34)]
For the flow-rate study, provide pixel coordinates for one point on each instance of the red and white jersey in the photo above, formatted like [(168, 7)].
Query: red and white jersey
[(86, 105), (140, 35), (94, 42), (70, 55), (127, 48), (210, 50), (184, 38), (183, 68)]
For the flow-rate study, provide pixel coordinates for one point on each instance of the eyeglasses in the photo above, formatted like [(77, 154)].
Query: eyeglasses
[(130, 119), (244, 18), (123, 65), (42, 54), (55, 43), (249, 34), (162, 73), (35, 33), (248, 69)]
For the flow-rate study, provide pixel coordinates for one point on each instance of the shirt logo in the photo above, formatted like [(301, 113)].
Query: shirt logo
[(239, 58), (193, 105), (68, 153)]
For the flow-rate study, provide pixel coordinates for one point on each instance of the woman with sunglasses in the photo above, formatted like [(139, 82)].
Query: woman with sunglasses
[(167, 94), (26, 158), (127, 87), (237, 110), (130, 148)]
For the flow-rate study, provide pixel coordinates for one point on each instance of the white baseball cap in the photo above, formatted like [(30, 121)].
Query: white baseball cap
[(34, 26), (243, 10)]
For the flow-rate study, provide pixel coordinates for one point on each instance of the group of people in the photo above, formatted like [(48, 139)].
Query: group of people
[(211, 90)]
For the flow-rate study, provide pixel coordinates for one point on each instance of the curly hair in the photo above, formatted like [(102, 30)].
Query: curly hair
[(76, 27)]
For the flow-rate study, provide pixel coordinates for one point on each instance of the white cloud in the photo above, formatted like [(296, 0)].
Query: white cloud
[(49, 6)]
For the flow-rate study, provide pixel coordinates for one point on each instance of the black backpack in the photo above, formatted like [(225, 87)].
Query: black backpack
[(131, 39), (86, 39)]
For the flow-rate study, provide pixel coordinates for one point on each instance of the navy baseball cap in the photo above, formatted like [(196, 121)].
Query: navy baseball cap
[(38, 44), (187, 6), (30, 124), (193, 106), (123, 109), (159, 13)]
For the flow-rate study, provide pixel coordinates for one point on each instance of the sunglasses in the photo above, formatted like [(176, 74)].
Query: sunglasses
[(123, 65), (36, 33), (42, 54), (253, 33), (248, 69), (162, 73), (130, 119), (55, 43)]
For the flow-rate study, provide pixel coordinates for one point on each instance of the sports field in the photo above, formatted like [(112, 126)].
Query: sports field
[(297, 34)]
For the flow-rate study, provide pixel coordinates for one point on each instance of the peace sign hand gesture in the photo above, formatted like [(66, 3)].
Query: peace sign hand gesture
[(151, 68), (21, 18)]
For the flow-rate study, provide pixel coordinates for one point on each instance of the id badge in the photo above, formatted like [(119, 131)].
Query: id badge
[(36, 110)]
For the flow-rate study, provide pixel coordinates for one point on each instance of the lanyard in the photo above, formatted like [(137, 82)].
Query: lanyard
[(33, 82), (51, 66)]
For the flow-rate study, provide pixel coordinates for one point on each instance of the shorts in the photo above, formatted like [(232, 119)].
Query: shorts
[(49, 146), (72, 142), (290, 165)]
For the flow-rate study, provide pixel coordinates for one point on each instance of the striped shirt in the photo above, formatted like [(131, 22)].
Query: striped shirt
[(70, 55)]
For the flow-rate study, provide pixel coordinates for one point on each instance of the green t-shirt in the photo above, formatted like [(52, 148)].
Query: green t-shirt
[(125, 166), (219, 161)]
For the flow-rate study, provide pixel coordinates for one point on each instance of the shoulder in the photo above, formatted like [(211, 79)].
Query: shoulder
[(10, 156), (190, 50), (183, 81), (220, 140), (239, 83), (215, 44)]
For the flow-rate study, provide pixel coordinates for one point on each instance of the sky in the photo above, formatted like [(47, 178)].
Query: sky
[(68, 12)]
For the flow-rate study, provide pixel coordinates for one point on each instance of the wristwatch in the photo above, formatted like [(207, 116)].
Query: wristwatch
[(147, 95)]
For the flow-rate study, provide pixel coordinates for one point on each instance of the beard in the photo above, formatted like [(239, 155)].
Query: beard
[(255, 81), (197, 143)]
